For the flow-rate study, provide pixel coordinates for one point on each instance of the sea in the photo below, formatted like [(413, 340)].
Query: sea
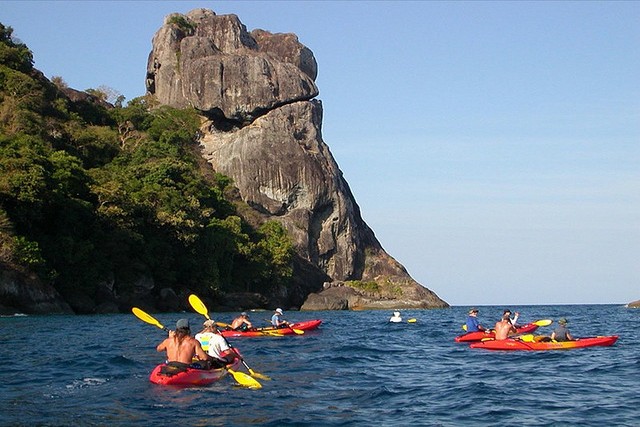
[(357, 369)]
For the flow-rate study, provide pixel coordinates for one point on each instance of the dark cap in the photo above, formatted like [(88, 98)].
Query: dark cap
[(182, 324), (473, 310)]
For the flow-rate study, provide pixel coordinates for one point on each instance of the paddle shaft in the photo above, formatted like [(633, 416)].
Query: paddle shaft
[(288, 325), (199, 306)]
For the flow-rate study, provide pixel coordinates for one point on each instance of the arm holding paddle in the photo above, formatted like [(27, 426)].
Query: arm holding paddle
[(217, 347), (240, 377), (278, 322), (200, 308)]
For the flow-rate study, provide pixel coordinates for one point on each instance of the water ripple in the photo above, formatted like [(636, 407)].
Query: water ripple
[(356, 370)]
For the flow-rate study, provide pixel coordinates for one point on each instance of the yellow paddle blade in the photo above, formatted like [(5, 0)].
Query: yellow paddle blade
[(298, 331), (527, 338), (258, 375), (222, 325), (413, 321), (273, 333), (244, 379), (146, 317), (543, 322), (464, 327), (198, 305)]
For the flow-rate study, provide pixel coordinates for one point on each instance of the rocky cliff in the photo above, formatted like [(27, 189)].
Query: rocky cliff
[(263, 126)]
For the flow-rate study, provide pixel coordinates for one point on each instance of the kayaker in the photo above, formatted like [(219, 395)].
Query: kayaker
[(504, 326), (396, 317), (241, 323), (217, 347), (473, 324), (515, 318), (277, 321), (181, 347), (561, 333)]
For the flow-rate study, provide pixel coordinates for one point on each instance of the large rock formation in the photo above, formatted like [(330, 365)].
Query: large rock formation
[(263, 130), (21, 292)]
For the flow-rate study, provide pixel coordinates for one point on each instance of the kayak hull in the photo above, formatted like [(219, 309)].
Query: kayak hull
[(515, 344), (306, 325), (191, 377), (479, 335)]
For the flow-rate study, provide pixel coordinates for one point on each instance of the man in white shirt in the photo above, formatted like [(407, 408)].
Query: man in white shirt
[(215, 345)]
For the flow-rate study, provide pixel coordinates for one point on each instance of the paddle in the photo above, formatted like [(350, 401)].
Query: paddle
[(240, 377), (413, 321), (199, 306), (532, 338), (147, 318), (464, 328), (543, 322), (295, 331)]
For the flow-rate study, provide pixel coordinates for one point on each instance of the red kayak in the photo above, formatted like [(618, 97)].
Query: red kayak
[(479, 335), (166, 374), (295, 328), (533, 343)]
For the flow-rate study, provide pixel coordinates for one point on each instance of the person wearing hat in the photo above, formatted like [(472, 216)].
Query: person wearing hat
[(277, 321), (221, 354), (241, 323), (561, 333), (181, 347), (473, 324), (396, 317)]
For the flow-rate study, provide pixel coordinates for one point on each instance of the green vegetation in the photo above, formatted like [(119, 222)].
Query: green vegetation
[(372, 287), (183, 23), (384, 289), (89, 194)]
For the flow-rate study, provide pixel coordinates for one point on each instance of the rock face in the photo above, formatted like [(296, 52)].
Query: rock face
[(210, 62), (263, 130), (25, 293), (634, 304)]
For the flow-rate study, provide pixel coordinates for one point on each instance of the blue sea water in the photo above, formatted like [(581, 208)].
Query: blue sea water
[(357, 369)]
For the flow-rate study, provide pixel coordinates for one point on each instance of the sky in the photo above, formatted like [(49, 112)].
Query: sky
[(493, 147)]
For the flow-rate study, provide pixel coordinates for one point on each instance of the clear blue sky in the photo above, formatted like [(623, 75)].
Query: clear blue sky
[(493, 147)]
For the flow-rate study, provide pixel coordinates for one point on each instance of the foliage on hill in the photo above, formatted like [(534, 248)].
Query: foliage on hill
[(90, 194)]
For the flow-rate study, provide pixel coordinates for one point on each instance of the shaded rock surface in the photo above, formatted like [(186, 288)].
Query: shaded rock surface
[(25, 293), (263, 129), (634, 304)]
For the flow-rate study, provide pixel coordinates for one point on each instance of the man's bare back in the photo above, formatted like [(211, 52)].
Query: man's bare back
[(181, 350), (503, 327)]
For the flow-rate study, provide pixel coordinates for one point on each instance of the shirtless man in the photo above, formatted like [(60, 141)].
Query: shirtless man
[(241, 323), (180, 346), (504, 326)]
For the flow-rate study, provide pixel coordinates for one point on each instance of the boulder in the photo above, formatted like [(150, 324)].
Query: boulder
[(212, 63), (22, 292), (264, 131)]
